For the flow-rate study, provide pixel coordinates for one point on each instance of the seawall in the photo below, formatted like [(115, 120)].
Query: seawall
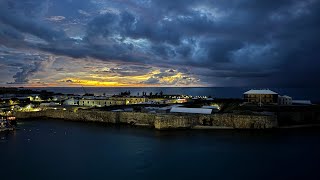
[(159, 121)]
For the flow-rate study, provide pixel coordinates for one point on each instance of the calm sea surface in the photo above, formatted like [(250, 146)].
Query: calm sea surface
[(219, 92), (71, 150)]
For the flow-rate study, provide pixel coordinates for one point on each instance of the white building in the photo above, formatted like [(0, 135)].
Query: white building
[(71, 102), (284, 100), (190, 110)]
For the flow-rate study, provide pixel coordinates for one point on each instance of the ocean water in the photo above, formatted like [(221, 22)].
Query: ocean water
[(218, 92), (72, 150)]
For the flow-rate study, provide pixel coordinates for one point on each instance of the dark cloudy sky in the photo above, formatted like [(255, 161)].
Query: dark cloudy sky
[(270, 43)]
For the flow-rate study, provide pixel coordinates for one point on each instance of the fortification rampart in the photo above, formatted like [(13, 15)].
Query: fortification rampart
[(159, 121)]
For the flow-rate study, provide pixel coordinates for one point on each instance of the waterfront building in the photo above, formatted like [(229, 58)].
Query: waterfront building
[(263, 96), (159, 101), (35, 97), (130, 99), (284, 100), (28, 108), (101, 102), (71, 102), (111, 101)]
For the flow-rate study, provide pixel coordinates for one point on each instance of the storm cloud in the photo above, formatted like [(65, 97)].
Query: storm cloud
[(238, 42), (28, 70)]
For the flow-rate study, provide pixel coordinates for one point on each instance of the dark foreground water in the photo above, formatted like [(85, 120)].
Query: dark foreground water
[(70, 150)]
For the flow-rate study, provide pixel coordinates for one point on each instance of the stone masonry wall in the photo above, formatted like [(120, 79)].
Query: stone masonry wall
[(159, 121)]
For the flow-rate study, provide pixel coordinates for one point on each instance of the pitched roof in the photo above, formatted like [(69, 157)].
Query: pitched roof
[(262, 91), (285, 96)]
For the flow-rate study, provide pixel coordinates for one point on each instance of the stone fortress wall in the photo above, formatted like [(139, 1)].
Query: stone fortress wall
[(159, 121)]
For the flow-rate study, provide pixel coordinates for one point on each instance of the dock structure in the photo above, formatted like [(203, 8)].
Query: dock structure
[(7, 123)]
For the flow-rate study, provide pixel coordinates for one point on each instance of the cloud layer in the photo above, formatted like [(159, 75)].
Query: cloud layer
[(162, 42)]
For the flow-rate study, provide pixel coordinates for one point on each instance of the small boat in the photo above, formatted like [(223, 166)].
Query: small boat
[(12, 120), (8, 122)]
